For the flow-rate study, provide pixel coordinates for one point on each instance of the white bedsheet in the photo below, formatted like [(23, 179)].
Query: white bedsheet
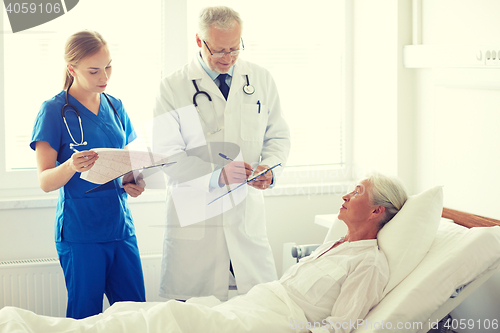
[(266, 308)]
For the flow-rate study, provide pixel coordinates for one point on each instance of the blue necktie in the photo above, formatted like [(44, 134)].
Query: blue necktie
[(224, 88)]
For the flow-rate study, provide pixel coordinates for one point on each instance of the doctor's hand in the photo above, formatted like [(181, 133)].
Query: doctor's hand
[(235, 172), (83, 160), (264, 181), (132, 185)]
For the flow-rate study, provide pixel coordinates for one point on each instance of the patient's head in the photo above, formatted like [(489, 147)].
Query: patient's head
[(374, 202)]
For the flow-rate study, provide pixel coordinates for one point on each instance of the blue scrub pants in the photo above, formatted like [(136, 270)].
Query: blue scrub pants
[(94, 269)]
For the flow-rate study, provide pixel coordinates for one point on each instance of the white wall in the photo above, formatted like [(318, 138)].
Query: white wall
[(429, 134), (457, 132), (383, 108), (457, 136)]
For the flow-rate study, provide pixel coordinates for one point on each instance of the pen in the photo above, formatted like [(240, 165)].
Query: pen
[(225, 157), (76, 151), (230, 159), (258, 103)]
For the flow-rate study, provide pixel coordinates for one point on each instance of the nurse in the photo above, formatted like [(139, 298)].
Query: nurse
[(94, 233)]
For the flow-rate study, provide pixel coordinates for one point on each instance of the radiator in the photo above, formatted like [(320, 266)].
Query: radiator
[(38, 284)]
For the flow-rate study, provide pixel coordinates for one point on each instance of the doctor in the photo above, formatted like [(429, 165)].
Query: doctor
[(236, 103)]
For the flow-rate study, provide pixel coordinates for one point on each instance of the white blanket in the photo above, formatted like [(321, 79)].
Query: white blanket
[(266, 308)]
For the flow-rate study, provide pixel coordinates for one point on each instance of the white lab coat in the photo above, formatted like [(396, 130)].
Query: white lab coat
[(196, 257)]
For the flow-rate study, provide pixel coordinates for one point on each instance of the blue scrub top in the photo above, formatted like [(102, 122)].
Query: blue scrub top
[(101, 216)]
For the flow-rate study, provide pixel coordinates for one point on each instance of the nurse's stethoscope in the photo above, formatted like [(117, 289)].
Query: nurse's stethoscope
[(248, 89), (75, 110)]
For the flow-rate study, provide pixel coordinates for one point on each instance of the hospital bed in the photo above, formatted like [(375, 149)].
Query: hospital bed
[(437, 256)]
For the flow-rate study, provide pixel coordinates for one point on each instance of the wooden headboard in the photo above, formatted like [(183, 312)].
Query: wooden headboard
[(469, 220)]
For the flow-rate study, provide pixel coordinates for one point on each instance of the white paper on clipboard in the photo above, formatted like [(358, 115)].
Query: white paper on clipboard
[(113, 163)]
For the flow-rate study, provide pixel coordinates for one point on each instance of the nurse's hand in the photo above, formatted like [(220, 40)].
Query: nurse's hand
[(134, 187), (83, 160), (235, 172), (264, 181)]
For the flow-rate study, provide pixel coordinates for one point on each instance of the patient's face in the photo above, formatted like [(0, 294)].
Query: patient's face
[(357, 206)]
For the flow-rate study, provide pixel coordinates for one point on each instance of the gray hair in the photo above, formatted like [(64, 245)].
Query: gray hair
[(220, 17), (388, 192)]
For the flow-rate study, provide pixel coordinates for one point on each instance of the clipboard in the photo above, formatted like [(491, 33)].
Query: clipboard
[(246, 182), (111, 184)]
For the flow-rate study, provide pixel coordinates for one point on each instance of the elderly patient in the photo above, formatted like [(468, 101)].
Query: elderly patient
[(325, 292)]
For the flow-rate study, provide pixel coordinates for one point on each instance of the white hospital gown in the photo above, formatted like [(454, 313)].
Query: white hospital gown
[(339, 287)]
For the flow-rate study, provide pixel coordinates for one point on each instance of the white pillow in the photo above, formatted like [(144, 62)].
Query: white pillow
[(407, 238)]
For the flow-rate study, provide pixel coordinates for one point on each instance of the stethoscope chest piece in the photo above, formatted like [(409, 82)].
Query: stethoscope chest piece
[(249, 89)]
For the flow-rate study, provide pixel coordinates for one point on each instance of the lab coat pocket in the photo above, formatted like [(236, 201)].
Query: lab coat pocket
[(255, 213), (186, 213), (253, 122), (196, 232), (316, 278)]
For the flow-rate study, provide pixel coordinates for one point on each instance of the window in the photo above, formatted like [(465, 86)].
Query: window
[(33, 67), (303, 47)]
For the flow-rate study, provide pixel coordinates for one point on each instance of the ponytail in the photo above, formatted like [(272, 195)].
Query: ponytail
[(68, 79)]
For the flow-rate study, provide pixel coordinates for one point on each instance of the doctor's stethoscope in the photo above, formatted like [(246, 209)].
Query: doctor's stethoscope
[(248, 89), (75, 110)]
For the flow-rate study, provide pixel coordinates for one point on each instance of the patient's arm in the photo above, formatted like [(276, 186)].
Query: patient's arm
[(361, 291)]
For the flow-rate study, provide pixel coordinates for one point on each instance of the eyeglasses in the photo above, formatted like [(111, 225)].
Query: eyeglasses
[(223, 54)]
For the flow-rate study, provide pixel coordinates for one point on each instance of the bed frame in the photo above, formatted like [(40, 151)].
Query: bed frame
[(470, 221)]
